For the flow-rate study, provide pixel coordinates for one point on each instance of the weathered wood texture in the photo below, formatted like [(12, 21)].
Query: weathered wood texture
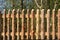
[(59, 24), (38, 24)]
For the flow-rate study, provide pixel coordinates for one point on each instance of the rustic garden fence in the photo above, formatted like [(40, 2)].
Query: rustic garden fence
[(30, 24)]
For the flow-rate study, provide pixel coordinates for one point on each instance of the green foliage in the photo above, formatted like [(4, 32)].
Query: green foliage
[(30, 4)]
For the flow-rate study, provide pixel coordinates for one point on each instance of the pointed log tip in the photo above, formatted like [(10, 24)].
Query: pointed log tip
[(37, 10), (18, 10), (23, 10), (48, 10), (58, 9), (13, 10), (27, 10), (4, 9), (42, 10), (32, 9), (53, 9), (9, 10)]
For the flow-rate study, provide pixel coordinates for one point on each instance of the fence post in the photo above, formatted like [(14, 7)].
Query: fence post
[(42, 24), (59, 24), (22, 33), (8, 25), (13, 17), (4, 24), (32, 24), (17, 15), (37, 24), (48, 24), (28, 24), (53, 24)]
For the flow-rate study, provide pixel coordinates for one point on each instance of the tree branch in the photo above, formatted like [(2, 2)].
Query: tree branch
[(38, 5)]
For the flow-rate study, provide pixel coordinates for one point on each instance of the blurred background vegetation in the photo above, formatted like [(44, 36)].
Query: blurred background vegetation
[(30, 4)]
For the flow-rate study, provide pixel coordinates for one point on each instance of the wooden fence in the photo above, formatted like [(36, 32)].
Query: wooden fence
[(30, 24)]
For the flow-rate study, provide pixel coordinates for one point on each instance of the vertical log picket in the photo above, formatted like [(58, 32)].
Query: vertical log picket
[(27, 23), (18, 24), (48, 24), (8, 25), (4, 24), (37, 24), (32, 24), (42, 24), (13, 17), (22, 31), (53, 24), (33, 32), (59, 24)]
